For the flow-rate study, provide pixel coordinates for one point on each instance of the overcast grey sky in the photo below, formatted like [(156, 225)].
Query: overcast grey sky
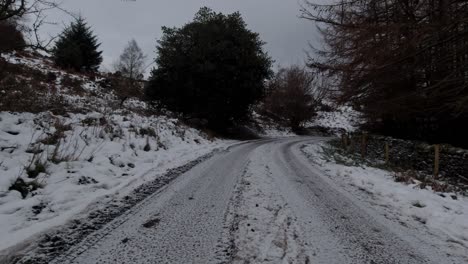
[(117, 21)]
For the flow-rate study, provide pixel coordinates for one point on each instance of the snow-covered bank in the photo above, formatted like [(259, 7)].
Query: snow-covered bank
[(343, 117), (63, 164), (338, 120), (441, 215), (86, 145)]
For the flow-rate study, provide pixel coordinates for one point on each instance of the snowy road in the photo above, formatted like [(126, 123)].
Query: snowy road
[(260, 202)]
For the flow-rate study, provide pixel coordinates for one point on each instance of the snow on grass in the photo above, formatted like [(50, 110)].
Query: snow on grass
[(344, 117), (444, 215), (277, 132), (269, 128), (86, 157)]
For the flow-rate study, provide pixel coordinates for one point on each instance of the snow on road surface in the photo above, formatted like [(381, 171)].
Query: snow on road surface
[(260, 202)]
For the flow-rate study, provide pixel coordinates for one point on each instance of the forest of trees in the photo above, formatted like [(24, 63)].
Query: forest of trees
[(404, 63)]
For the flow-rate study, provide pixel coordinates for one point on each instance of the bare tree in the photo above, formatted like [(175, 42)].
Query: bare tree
[(404, 63), (131, 62), (292, 97), (126, 82), (13, 11), (12, 8)]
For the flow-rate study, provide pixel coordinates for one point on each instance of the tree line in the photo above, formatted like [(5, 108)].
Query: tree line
[(404, 63), (213, 69)]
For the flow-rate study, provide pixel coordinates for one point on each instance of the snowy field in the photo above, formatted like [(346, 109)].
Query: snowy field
[(442, 216)]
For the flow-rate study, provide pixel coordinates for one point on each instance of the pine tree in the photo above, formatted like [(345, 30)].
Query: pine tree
[(77, 48)]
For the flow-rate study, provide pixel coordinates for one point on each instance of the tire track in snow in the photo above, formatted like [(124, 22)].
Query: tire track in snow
[(266, 230), (335, 225), (188, 214)]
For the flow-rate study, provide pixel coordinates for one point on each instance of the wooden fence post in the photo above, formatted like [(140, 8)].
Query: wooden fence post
[(387, 153), (436, 160), (364, 145)]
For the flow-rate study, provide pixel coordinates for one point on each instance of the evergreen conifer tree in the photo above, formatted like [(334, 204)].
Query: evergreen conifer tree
[(77, 48)]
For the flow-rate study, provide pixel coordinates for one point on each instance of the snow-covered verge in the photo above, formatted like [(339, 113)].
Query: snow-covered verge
[(443, 215), (54, 164), (62, 164), (343, 118)]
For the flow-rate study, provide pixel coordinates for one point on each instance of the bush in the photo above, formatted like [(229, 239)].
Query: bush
[(292, 97), (12, 38), (212, 68), (24, 187), (125, 88), (23, 89), (76, 85), (35, 169)]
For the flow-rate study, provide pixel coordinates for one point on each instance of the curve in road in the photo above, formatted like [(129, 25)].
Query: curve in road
[(208, 215)]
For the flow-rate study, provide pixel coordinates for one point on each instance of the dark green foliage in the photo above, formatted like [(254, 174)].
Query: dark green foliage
[(212, 68), (77, 48)]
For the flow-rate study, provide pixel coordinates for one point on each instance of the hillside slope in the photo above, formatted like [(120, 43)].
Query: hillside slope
[(54, 164)]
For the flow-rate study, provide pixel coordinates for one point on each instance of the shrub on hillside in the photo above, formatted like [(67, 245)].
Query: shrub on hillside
[(11, 38), (212, 68), (125, 88), (23, 89)]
